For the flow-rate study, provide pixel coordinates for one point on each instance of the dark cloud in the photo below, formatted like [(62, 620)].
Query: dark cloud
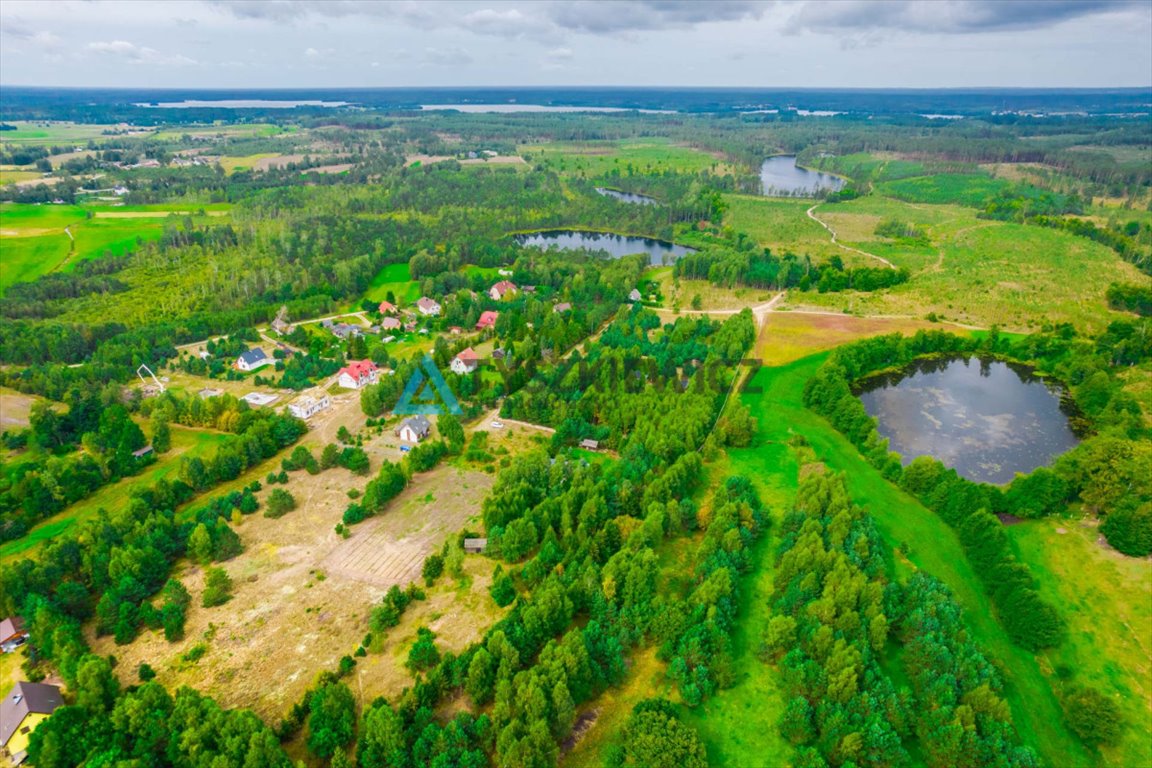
[(950, 16), (598, 17)]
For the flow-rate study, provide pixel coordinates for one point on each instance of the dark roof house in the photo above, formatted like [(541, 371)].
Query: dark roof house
[(23, 700)]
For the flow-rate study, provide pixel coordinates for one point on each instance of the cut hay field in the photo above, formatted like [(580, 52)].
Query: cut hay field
[(302, 595), (976, 271), (47, 133), (259, 161), (790, 336), (11, 174), (15, 407), (38, 239), (594, 159)]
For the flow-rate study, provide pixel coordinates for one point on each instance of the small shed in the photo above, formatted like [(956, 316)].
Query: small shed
[(475, 546), (142, 452), (591, 445)]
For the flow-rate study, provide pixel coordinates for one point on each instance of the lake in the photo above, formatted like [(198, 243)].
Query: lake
[(986, 419), (242, 104), (780, 176), (659, 251), (509, 109), (627, 197)]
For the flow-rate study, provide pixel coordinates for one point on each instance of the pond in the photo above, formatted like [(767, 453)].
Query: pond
[(986, 419), (659, 251), (780, 176), (627, 197)]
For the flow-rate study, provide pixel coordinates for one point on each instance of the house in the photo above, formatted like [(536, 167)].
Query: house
[(502, 289), (281, 324), (528, 288), (414, 429), (487, 320), (387, 308), (142, 452), (253, 359), (204, 354), (562, 307), (635, 295), (25, 707), (208, 392), (475, 546), (358, 373), (391, 324), (465, 362), (342, 330), (12, 634), (306, 407), (427, 307), (591, 445), (455, 330)]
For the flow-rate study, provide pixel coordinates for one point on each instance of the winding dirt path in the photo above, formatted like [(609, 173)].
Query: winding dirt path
[(812, 215)]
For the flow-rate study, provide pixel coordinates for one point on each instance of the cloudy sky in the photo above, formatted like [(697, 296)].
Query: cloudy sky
[(781, 43)]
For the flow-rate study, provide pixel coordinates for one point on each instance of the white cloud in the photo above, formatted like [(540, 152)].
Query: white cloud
[(447, 57), (137, 54)]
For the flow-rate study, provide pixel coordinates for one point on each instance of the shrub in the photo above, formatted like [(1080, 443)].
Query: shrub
[(280, 502), (1092, 716), (1130, 530), (217, 587)]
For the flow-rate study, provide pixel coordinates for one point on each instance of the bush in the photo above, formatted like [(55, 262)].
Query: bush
[(217, 587), (1130, 530), (280, 502), (146, 673), (655, 737), (1093, 717), (433, 567), (424, 654)]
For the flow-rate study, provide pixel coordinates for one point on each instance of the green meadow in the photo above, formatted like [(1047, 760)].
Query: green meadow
[(928, 543), (396, 278), (186, 442), (593, 159), (38, 239)]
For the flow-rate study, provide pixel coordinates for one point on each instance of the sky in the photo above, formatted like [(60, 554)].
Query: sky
[(738, 43)]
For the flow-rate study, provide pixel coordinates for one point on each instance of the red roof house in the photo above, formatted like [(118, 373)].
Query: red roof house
[(487, 320), (358, 373), (502, 289)]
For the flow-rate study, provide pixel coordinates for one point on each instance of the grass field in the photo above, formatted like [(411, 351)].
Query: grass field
[(186, 442), (246, 162), (789, 336), (10, 174), (593, 159), (1104, 596), (782, 225), (396, 278), (931, 546), (38, 239), (46, 133), (970, 189), (977, 271)]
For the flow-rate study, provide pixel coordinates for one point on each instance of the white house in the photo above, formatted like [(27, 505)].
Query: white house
[(414, 429), (465, 362), (635, 295), (253, 359), (306, 407), (501, 289), (427, 307), (357, 374)]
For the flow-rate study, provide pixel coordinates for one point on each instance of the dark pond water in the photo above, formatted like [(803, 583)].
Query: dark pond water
[(627, 197), (986, 419), (780, 176), (659, 251)]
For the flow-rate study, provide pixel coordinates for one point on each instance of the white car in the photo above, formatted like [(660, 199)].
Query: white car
[(497, 425)]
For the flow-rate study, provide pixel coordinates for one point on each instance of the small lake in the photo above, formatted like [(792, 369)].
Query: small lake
[(986, 419), (627, 197), (659, 251), (780, 176)]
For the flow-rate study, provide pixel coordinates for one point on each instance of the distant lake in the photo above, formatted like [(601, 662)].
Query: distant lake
[(659, 251), (242, 104), (627, 197), (512, 108), (986, 419), (780, 176)]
